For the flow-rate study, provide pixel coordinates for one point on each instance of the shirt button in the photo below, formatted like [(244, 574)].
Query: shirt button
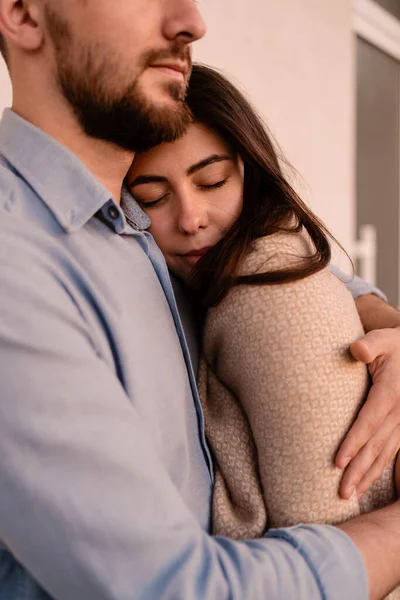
[(113, 212)]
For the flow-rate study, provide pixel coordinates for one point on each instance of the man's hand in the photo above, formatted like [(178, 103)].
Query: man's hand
[(374, 439)]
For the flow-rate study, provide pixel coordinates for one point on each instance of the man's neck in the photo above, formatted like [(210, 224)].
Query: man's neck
[(108, 162)]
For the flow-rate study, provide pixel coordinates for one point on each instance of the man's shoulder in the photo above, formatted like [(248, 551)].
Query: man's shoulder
[(35, 276), (17, 197), (27, 249), (24, 219), (11, 186)]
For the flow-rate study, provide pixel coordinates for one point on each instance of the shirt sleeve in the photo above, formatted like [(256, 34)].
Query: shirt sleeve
[(86, 504), (357, 286)]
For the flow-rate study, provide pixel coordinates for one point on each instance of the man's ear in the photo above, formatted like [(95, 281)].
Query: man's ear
[(20, 24)]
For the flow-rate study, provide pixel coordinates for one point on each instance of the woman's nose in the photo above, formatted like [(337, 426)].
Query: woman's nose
[(192, 218)]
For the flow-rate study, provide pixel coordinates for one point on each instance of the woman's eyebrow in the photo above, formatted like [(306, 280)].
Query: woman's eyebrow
[(147, 179), (209, 160), (213, 158)]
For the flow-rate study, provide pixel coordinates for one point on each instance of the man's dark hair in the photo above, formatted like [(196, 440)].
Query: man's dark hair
[(3, 47)]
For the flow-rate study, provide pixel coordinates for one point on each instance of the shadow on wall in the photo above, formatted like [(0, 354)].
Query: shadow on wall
[(5, 86)]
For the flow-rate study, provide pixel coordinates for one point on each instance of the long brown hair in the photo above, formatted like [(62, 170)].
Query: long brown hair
[(269, 201)]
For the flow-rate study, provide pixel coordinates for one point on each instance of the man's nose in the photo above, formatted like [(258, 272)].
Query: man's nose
[(183, 21)]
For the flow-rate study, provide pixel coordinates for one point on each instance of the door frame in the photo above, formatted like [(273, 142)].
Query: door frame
[(377, 26)]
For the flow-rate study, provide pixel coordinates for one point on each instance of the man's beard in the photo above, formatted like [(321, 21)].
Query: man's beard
[(105, 108)]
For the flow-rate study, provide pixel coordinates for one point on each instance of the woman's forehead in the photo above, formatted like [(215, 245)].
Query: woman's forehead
[(198, 142)]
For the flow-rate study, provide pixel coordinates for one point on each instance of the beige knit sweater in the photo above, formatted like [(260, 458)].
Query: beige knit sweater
[(279, 391)]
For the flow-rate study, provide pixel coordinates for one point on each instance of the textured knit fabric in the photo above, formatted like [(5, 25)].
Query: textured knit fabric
[(280, 390)]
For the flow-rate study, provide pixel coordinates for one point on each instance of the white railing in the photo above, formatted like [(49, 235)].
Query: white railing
[(365, 251)]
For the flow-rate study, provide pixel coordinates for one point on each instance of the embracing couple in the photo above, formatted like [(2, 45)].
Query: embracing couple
[(149, 238)]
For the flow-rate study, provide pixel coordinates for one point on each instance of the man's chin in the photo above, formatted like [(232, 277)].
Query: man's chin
[(162, 100), (160, 89)]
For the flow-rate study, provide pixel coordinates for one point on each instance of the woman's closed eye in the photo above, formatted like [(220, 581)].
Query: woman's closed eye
[(153, 202), (207, 187), (212, 186), (151, 194), (148, 202)]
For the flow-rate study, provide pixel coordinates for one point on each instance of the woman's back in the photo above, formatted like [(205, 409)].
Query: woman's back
[(280, 390)]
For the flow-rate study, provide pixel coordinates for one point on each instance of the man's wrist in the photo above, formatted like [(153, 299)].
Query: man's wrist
[(377, 537), (332, 557), (375, 313)]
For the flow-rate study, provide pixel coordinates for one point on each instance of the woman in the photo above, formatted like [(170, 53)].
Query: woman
[(277, 384)]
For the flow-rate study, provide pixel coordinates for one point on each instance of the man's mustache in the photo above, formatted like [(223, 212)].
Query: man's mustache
[(177, 51)]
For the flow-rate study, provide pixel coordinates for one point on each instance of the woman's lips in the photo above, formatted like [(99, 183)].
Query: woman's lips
[(192, 260), (194, 256)]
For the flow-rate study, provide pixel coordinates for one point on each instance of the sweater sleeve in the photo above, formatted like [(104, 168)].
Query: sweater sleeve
[(283, 352)]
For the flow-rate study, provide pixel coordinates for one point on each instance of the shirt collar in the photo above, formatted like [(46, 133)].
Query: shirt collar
[(61, 180), (133, 213)]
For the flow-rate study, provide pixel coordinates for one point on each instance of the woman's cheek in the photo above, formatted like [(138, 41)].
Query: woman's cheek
[(161, 231)]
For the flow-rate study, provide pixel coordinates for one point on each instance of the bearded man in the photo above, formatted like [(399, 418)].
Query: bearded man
[(105, 476)]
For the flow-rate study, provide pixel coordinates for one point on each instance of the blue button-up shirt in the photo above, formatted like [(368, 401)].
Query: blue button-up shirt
[(105, 478)]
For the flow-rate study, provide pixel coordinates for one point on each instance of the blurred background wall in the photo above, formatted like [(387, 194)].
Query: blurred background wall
[(5, 88), (295, 60), (331, 97)]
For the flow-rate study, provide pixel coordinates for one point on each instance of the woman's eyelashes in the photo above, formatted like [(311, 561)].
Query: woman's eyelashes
[(212, 186), (205, 187), (149, 195), (151, 203)]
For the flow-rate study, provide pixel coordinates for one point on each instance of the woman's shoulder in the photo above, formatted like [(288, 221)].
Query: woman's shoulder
[(315, 312), (282, 250), (318, 297)]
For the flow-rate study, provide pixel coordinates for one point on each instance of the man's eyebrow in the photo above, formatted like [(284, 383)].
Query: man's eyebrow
[(147, 179), (214, 158)]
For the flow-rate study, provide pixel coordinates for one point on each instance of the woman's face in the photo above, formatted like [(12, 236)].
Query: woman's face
[(192, 190)]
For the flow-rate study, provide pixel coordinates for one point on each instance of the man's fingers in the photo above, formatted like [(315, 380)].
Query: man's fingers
[(374, 438), (370, 418), (374, 344), (385, 457), (380, 445)]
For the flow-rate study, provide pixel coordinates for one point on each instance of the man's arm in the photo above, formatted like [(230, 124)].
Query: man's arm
[(376, 535), (357, 286), (86, 504), (375, 313)]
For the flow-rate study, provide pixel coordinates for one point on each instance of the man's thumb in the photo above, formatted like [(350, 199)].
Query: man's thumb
[(361, 351)]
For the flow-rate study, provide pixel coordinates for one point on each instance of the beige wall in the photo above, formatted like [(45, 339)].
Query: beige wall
[(295, 59)]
